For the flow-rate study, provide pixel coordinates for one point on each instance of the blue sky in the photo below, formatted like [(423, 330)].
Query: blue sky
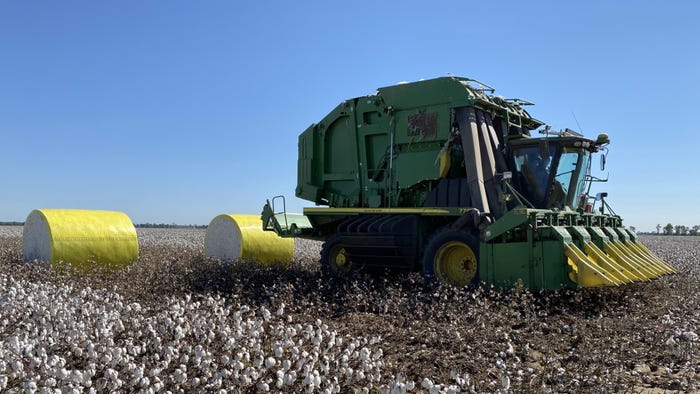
[(177, 111)]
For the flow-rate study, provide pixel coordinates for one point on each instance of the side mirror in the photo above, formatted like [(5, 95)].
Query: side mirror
[(602, 162), (601, 196)]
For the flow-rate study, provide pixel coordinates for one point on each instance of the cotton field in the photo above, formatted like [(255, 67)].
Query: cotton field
[(176, 321)]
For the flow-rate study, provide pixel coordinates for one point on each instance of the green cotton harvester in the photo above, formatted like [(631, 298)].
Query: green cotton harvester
[(442, 176)]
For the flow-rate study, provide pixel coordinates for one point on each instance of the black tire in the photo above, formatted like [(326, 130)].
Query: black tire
[(452, 257), (334, 260)]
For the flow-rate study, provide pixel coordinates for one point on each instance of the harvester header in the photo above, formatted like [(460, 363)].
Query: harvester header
[(443, 176)]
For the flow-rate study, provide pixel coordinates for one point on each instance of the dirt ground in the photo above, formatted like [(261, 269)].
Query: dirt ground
[(638, 338)]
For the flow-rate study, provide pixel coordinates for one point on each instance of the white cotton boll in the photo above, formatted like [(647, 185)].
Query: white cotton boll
[(309, 380), (180, 376), (437, 389), (17, 366), (452, 389), (14, 343), (286, 364), (690, 336), (270, 362), (290, 377), (398, 388), (77, 376), (225, 360), (427, 383), (199, 351), (263, 387), (194, 382), (259, 361), (63, 374), (671, 341), (510, 350), (154, 372), (279, 350), (29, 387), (364, 354), (49, 382), (280, 310), (265, 313), (505, 382), (111, 374)]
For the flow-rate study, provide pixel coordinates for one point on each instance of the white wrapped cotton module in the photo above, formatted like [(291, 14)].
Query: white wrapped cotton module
[(241, 237), (84, 238)]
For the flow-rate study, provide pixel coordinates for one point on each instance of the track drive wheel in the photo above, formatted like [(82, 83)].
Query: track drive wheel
[(334, 260), (452, 257)]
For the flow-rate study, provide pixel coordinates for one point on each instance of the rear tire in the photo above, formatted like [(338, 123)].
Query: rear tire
[(334, 259), (452, 258)]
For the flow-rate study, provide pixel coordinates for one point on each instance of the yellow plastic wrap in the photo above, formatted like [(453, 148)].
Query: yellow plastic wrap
[(241, 237), (84, 238)]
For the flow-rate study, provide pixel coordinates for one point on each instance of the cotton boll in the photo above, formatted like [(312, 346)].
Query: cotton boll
[(364, 354), (180, 376), (17, 366), (505, 382), (199, 351), (290, 377), (278, 350), (286, 364), (435, 389), (29, 387)]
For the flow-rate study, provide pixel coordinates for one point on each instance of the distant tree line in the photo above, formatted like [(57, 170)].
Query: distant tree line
[(11, 223), (670, 229)]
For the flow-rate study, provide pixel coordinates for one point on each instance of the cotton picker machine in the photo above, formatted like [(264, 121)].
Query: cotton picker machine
[(442, 176)]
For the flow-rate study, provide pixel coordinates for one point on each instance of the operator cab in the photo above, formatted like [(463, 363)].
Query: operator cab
[(550, 172)]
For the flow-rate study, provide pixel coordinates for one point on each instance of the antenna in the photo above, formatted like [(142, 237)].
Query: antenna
[(576, 120)]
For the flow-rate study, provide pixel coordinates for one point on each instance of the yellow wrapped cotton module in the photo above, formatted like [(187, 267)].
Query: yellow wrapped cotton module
[(84, 238), (241, 237)]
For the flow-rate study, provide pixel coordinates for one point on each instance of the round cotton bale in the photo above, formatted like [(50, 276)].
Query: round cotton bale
[(85, 239), (241, 237)]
